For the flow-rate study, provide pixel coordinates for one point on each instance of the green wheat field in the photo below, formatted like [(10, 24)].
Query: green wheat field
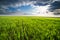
[(29, 28)]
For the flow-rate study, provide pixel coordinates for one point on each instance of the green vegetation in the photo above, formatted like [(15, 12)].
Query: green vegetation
[(29, 28)]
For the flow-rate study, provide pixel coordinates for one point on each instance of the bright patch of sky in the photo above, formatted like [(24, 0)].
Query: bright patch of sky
[(41, 10)]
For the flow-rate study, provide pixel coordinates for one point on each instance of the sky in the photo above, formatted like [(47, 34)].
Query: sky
[(30, 7)]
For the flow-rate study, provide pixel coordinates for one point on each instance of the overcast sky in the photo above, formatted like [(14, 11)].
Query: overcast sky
[(29, 7)]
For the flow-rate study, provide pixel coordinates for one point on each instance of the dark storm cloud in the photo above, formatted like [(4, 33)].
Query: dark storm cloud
[(7, 2), (13, 2), (55, 5)]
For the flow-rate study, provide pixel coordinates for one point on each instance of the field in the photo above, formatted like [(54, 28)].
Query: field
[(29, 28)]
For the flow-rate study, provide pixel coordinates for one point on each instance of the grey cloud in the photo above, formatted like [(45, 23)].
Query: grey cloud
[(7, 2), (55, 7), (56, 12)]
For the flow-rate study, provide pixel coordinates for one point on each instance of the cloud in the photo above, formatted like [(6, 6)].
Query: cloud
[(55, 7), (40, 10), (13, 7), (23, 2), (57, 12), (13, 2), (8, 7)]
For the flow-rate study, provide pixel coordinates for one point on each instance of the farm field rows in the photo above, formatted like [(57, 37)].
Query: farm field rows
[(29, 28)]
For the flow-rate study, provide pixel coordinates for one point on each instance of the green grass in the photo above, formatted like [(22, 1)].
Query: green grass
[(29, 28)]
